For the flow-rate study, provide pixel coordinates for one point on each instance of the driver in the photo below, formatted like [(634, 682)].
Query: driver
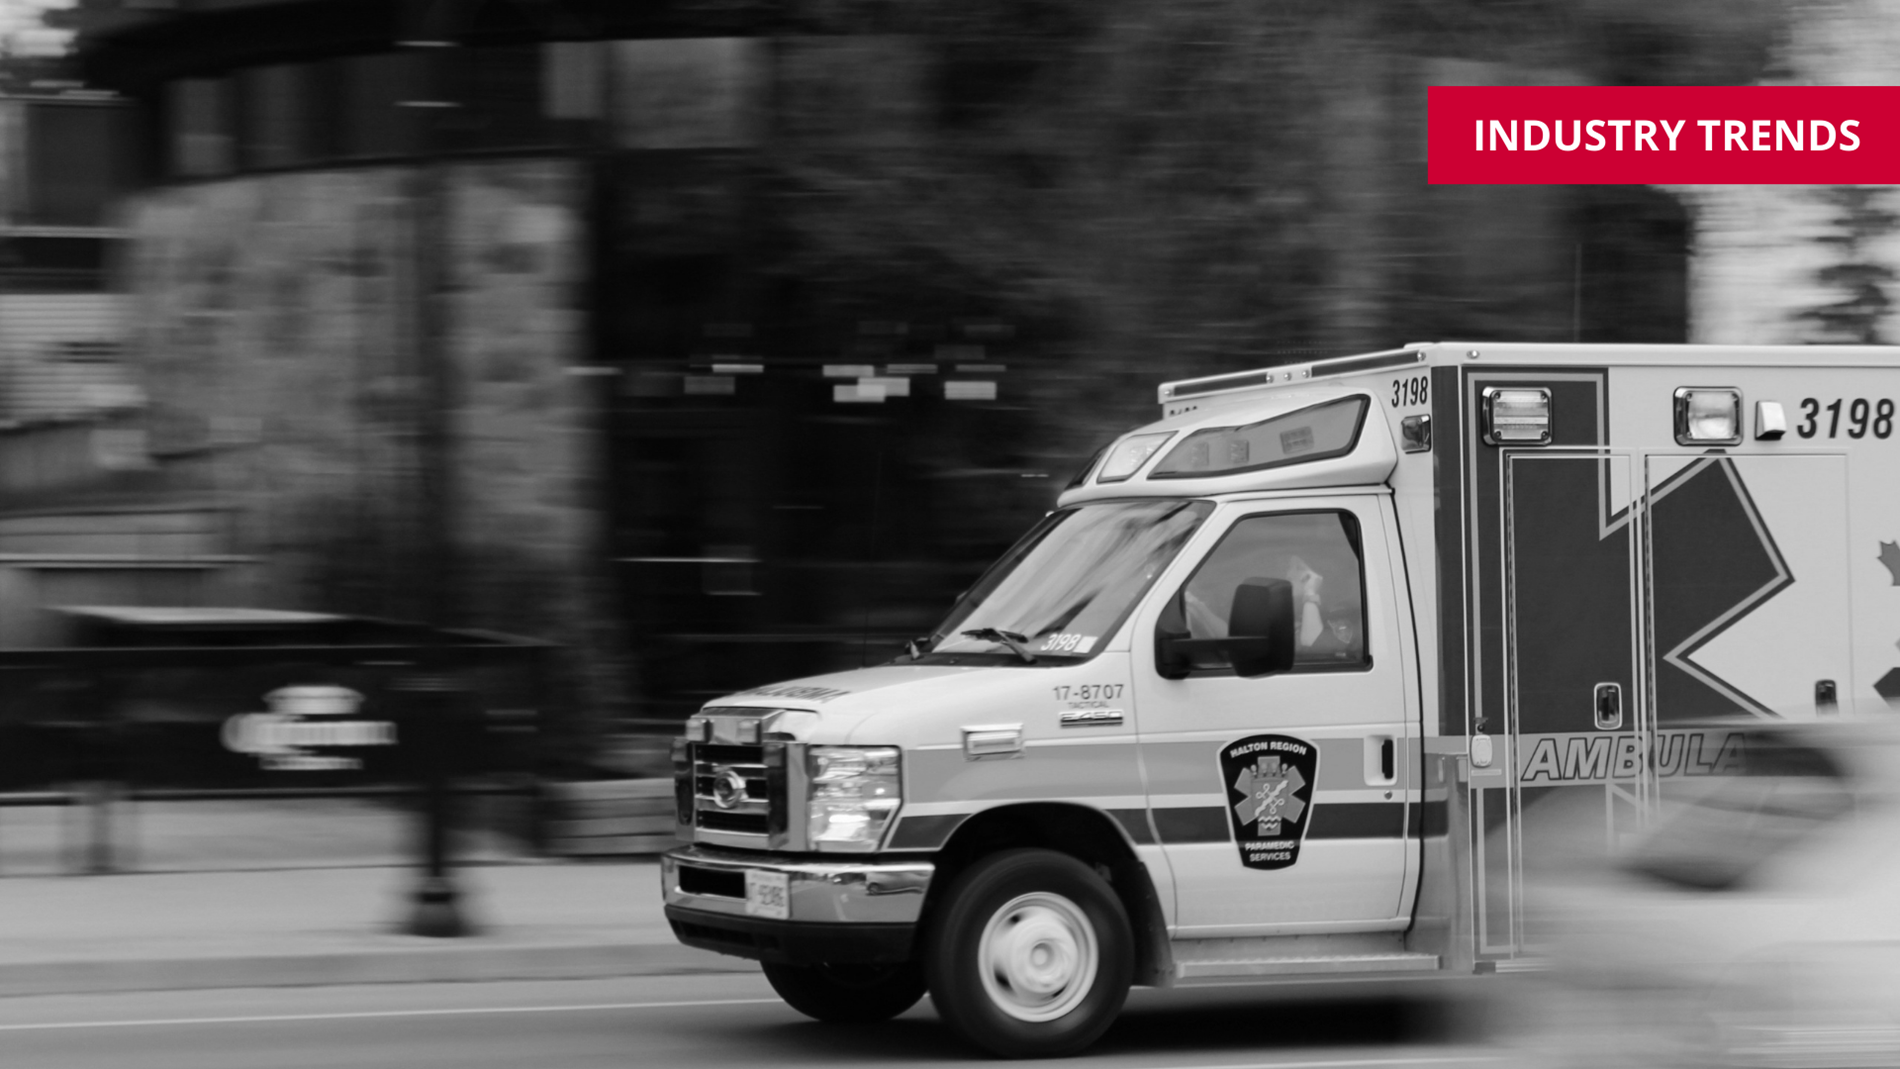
[(1306, 601), (1318, 631)]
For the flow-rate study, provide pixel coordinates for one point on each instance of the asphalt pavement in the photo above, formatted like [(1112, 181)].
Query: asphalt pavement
[(275, 939), (702, 1021), (292, 926)]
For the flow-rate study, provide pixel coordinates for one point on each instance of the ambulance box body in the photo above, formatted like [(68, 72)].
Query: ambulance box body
[(1276, 690)]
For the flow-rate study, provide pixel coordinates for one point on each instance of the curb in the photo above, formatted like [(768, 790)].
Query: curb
[(397, 965)]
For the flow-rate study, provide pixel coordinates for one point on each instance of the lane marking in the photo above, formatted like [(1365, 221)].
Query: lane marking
[(272, 1018), (1345, 1063), (277, 1018)]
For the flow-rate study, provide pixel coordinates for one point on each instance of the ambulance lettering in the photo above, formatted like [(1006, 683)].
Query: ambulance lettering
[(1601, 757), (1269, 782)]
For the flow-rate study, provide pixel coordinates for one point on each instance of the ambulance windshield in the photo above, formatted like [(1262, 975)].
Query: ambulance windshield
[(1062, 590)]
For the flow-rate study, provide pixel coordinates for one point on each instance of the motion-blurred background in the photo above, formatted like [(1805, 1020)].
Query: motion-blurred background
[(725, 341)]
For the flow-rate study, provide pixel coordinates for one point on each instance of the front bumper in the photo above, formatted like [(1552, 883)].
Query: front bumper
[(840, 910)]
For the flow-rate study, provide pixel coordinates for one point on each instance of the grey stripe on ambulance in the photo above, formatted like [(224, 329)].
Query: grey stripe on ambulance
[(1045, 771), (1193, 767), (1336, 820)]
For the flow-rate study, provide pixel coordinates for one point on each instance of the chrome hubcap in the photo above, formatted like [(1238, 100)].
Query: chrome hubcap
[(1038, 957)]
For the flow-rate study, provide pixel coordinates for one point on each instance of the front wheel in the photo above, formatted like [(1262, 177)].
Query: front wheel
[(1031, 954), (848, 994)]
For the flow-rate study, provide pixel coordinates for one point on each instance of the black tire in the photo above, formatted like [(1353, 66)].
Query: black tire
[(848, 994), (1007, 1000)]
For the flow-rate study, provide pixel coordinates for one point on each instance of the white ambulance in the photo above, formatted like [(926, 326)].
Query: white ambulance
[(1273, 692)]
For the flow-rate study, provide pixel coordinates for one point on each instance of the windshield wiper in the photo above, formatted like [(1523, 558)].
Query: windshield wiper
[(1014, 641)]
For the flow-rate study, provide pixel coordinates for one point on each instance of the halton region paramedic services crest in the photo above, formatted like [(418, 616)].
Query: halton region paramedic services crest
[(1270, 796)]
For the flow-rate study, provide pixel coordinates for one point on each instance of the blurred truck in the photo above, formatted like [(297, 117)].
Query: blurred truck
[(1277, 691)]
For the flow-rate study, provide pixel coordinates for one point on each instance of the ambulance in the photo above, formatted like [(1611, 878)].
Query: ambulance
[(1275, 690)]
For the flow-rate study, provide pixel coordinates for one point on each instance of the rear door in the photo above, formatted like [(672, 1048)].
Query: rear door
[(1719, 590), (1574, 716), (1749, 606)]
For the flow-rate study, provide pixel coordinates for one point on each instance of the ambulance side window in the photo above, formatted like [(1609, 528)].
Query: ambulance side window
[(1318, 553)]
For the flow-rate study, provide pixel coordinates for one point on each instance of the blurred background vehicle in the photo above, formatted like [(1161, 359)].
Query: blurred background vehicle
[(1752, 924)]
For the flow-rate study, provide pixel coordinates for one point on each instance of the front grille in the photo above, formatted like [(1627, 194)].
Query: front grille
[(718, 773)]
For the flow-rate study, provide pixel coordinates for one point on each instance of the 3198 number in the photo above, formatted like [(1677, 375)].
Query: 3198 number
[(1410, 391), (1862, 416)]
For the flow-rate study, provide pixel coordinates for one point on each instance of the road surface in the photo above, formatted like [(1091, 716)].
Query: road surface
[(701, 1021)]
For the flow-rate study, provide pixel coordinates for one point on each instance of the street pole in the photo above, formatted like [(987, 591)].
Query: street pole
[(433, 741), (430, 699)]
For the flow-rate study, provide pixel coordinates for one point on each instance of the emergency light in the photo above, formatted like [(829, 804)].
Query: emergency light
[(1708, 416), (1516, 416)]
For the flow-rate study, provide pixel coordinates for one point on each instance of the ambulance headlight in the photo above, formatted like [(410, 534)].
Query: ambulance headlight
[(1516, 416), (1129, 455), (854, 793), (1706, 416)]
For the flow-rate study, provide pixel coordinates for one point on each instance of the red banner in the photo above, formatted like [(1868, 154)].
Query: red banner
[(1652, 135)]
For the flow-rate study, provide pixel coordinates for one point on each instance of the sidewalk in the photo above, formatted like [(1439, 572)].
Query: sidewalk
[(332, 926)]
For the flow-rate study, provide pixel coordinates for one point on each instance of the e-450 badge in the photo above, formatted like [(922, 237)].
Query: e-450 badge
[(1269, 782)]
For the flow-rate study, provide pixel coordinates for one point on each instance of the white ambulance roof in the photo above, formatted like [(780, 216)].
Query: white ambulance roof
[(1369, 462), (1174, 395), (1477, 353), (1240, 398), (1424, 356)]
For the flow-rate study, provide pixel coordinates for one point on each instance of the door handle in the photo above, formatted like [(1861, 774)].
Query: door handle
[(991, 741), (1382, 760), (1609, 706)]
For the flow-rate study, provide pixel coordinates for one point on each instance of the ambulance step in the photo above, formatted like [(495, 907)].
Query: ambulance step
[(1319, 965)]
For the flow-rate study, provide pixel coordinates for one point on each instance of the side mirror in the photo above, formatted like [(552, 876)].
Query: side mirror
[(1171, 638), (1260, 629)]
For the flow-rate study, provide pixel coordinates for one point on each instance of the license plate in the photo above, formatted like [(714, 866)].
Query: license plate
[(768, 894)]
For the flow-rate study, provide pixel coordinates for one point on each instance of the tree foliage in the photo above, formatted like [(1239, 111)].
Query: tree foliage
[(1162, 190), (1857, 279)]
